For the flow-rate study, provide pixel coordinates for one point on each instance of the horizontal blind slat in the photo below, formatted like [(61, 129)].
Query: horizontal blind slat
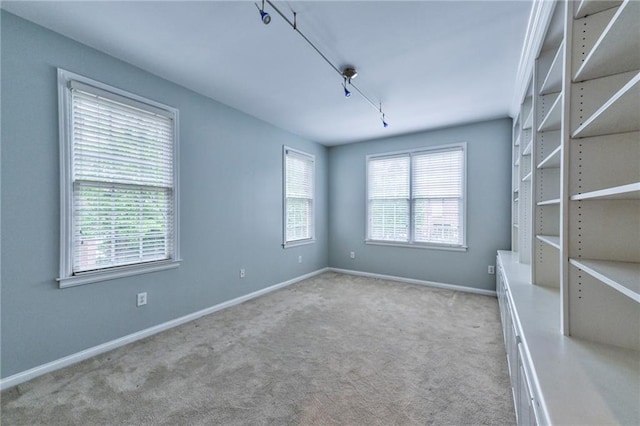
[(125, 150), (142, 105)]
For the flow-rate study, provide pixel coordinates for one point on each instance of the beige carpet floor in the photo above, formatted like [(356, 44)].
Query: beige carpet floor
[(331, 350)]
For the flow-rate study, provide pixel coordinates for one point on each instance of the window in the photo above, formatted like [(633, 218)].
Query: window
[(417, 198), (119, 182), (299, 171)]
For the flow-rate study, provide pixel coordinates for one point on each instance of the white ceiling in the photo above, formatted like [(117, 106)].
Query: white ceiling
[(431, 63)]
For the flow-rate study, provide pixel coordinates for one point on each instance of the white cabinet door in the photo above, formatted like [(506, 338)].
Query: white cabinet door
[(525, 400)]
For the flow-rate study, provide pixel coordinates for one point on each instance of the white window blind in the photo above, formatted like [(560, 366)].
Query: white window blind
[(299, 196), (122, 162), (417, 197), (437, 197), (389, 198)]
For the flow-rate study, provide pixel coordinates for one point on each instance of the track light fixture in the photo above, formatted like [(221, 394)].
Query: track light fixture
[(347, 93), (264, 16), (384, 122), (348, 73)]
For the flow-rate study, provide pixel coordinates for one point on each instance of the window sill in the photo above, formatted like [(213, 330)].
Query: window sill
[(120, 272), (298, 243), (416, 245)]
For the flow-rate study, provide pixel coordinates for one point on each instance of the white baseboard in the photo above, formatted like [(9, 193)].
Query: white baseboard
[(23, 376), (419, 282)]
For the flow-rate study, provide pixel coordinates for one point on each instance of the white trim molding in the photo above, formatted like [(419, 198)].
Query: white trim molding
[(120, 272), (418, 246), (453, 287), (66, 361)]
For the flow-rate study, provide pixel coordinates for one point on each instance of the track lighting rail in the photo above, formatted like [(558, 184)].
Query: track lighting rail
[(346, 74), (295, 28)]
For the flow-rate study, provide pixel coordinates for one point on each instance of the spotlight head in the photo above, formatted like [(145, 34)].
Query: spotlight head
[(385, 124), (266, 18), (346, 93)]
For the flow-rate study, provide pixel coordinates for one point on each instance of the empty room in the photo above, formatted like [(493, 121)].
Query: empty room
[(320, 212)]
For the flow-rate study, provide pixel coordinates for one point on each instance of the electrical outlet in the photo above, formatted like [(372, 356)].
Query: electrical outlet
[(299, 259), (352, 255), (491, 269), (141, 299), (242, 273)]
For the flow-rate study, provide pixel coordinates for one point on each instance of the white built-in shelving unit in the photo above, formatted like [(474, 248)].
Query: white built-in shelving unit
[(603, 240), (515, 184), (523, 173), (549, 104), (571, 284)]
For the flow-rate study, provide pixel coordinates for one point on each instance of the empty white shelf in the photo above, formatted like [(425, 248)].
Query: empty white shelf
[(527, 177), (617, 50), (553, 80), (624, 192), (528, 122), (549, 202), (517, 163), (589, 7), (515, 225), (552, 240), (517, 143), (622, 276), (553, 119), (618, 115), (527, 149), (552, 160)]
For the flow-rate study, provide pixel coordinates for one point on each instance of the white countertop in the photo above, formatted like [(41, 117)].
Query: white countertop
[(578, 382)]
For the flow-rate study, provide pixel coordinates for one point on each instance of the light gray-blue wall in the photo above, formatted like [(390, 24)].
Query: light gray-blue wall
[(488, 208), (231, 206)]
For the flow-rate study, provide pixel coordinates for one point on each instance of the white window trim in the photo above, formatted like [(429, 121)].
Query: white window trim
[(411, 243), (67, 278), (312, 239)]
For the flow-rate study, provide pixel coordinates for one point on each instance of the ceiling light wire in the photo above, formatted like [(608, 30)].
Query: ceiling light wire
[(294, 26)]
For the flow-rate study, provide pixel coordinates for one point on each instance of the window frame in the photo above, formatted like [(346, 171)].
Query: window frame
[(411, 243), (312, 238), (67, 277)]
